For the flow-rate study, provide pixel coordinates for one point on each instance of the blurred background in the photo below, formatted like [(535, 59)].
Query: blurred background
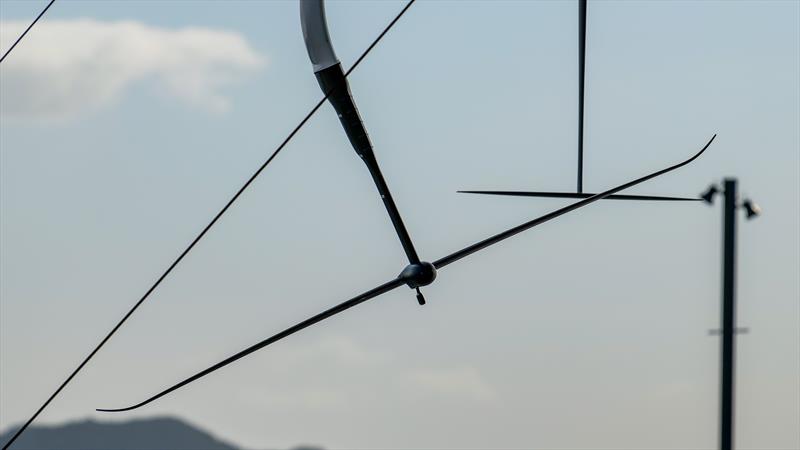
[(127, 125)]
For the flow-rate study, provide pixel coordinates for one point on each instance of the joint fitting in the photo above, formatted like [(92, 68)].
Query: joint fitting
[(420, 274)]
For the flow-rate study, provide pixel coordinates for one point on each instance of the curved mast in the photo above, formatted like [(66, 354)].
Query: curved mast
[(333, 82)]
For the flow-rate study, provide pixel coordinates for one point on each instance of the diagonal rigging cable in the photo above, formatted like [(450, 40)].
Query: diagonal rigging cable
[(205, 230), (26, 30), (400, 280)]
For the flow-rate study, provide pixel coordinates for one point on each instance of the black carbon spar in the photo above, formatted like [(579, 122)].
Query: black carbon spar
[(405, 280), (417, 273), (582, 7)]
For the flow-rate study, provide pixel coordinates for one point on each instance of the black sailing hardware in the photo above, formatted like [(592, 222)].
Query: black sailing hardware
[(582, 7), (417, 273)]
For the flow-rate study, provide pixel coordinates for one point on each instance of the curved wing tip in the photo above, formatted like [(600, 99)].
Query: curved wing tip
[(114, 410), (705, 147)]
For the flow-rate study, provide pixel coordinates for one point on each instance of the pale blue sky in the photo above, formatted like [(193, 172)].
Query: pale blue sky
[(588, 332)]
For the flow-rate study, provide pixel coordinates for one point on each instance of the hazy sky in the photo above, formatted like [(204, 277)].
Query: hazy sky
[(126, 125)]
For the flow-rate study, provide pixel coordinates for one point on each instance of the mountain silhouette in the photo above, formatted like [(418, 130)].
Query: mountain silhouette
[(163, 433)]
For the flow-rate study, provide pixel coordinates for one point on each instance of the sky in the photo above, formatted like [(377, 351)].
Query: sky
[(127, 125)]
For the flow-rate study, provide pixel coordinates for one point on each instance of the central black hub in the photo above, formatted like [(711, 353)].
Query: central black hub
[(419, 274)]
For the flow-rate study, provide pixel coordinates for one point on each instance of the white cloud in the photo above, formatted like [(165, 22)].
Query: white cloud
[(317, 375), (460, 382), (338, 373), (65, 67), (340, 352), (348, 351), (293, 398)]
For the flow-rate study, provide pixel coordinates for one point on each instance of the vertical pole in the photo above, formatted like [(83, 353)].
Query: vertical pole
[(581, 84), (728, 316)]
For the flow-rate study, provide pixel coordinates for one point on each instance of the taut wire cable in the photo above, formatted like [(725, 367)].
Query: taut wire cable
[(26, 30)]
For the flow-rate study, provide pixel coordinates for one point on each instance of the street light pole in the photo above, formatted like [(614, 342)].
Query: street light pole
[(728, 329), (728, 343)]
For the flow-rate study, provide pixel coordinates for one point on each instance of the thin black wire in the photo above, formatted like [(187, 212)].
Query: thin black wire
[(581, 86), (399, 281), (583, 195), (205, 230), (27, 29)]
